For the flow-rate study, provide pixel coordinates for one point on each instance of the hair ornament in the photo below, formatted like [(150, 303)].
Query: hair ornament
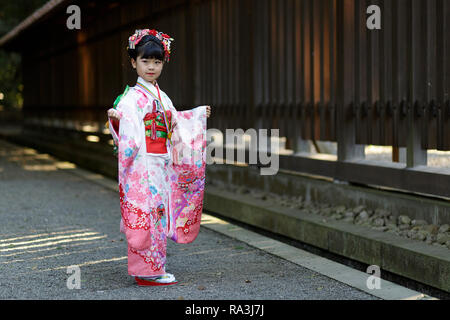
[(165, 39)]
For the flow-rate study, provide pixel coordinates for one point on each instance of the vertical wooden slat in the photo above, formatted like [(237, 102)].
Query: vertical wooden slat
[(387, 72), (443, 40), (347, 149), (307, 83), (361, 122), (429, 125), (416, 37)]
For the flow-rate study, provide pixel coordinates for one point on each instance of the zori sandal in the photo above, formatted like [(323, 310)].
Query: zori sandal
[(162, 280)]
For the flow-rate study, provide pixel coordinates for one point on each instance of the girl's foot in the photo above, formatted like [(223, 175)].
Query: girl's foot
[(163, 280)]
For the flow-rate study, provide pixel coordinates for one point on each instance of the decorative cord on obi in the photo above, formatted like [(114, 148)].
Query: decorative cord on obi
[(156, 132)]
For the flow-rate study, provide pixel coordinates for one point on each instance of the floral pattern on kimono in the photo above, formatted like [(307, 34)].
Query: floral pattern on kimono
[(161, 195)]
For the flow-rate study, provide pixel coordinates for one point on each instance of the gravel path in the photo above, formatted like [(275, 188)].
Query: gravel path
[(52, 219)]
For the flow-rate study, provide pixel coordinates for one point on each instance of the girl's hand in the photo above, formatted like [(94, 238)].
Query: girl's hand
[(112, 113), (208, 111)]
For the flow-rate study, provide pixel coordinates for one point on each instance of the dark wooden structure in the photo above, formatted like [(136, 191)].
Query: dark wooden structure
[(309, 67)]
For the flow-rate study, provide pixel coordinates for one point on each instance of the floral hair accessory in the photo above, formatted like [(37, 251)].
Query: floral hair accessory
[(165, 39)]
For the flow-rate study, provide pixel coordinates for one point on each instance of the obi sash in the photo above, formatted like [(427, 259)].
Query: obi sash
[(156, 131)]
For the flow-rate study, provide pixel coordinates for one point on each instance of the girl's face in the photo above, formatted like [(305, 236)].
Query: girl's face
[(148, 69)]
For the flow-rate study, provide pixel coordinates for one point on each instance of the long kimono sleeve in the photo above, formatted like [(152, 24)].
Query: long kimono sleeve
[(129, 138), (187, 174), (135, 216)]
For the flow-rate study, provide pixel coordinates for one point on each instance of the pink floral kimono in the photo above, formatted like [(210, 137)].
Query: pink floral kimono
[(161, 194)]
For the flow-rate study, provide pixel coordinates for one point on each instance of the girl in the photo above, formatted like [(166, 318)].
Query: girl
[(161, 159)]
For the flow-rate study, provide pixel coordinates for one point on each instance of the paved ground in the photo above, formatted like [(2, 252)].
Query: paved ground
[(52, 219)]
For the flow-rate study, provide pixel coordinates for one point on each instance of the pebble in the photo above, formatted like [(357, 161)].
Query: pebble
[(418, 222), (442, 238), (336, 216), (391, 226), (339, 209), (403, 227), (411, 233), (326, 211), (349, 214), (378, 219), (358, 209), (382, 213), (378, 222), (431, 228), (444, 228), (421, 235), (363, 215), (404, 220)]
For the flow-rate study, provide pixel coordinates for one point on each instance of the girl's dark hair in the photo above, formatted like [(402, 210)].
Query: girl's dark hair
[(148, 47)]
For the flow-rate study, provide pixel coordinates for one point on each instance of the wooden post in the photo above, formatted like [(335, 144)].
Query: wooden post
[(347, 148), (415, 155)]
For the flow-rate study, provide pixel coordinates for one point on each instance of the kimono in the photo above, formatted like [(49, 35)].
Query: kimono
[(161, 187)]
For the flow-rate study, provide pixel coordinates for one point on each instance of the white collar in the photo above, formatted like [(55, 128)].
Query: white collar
[(149, 85)]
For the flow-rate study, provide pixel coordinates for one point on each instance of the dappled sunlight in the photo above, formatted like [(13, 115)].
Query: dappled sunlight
[(89, 128), (437, 158), (7, 244), (207, 219), (40, 167), (59, 254), (66, 246), (62, 165), (84, 264), (24, 243), (11, 246), (31, 160), (43, 230), (93, 138), (47, 249), (42, 235)]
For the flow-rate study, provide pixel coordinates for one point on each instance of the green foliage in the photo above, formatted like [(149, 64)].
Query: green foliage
[(11, 14)]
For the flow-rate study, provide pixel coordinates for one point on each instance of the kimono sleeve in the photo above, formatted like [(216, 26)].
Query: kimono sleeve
[(187, 175), (114, 126), (172, 110), (129, 135)]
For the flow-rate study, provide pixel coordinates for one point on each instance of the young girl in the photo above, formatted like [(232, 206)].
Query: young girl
[(161, 159)]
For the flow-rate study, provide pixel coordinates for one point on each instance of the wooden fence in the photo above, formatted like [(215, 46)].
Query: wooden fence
[(308, 67)]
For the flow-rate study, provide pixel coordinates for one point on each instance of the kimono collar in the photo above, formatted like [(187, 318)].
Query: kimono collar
[(149, 85)]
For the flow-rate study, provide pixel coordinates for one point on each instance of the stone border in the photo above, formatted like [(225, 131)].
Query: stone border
[(378, 219), (388, 251)]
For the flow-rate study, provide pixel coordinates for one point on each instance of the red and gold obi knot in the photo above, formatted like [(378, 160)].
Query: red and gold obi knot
[(156, 131)]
